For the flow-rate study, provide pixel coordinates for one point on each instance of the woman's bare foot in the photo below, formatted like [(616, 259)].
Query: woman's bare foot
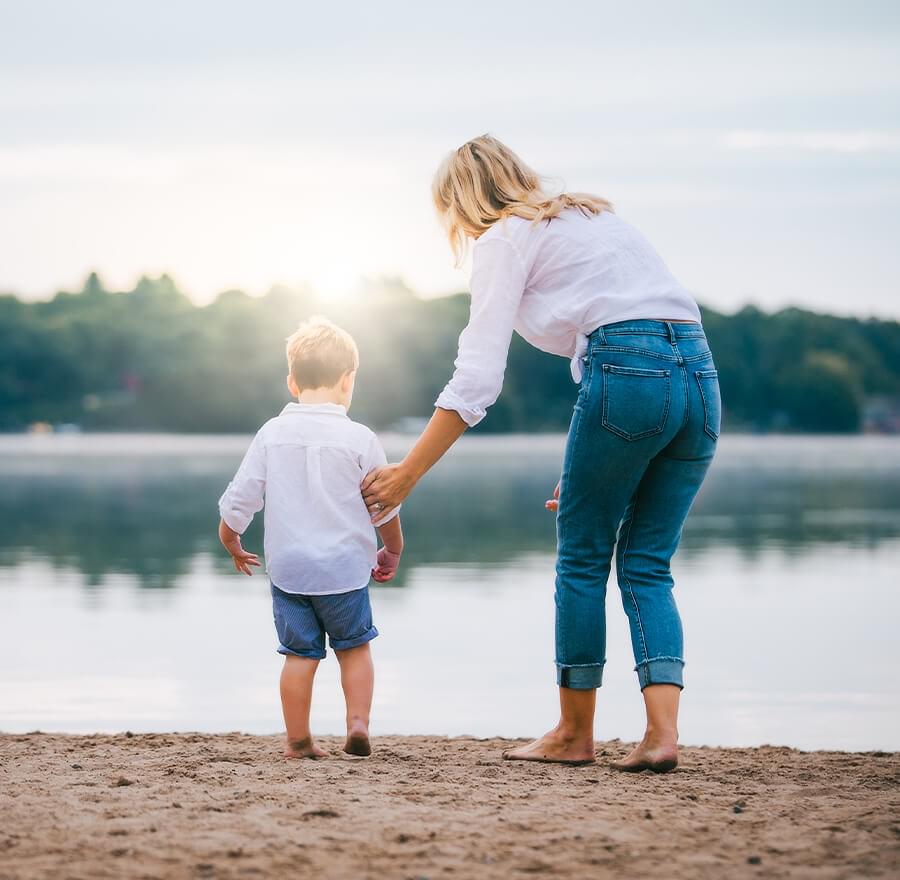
[(358, 740), (657, 754), (555, 747), (304, 748)]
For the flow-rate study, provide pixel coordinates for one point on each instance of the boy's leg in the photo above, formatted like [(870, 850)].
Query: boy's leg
[(302, 641), (296, 698), (347, 618), (358, 682)]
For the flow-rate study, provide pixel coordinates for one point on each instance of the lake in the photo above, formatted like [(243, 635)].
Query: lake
[(119, 610)]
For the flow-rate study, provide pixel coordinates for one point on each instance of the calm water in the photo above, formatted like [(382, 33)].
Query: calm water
[(119, 611)]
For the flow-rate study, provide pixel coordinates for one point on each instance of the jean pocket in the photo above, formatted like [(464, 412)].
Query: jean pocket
[(708, 382), (635, 401)]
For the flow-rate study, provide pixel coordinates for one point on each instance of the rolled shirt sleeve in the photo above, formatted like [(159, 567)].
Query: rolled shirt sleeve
[(376, 458), (245, 494), (497, 283)]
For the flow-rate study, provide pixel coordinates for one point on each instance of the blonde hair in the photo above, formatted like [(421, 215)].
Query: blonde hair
[(484, 181), (319, 353)]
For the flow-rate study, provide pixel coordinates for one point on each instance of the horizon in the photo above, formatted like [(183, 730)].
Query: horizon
[(366, 286), (756, 147)]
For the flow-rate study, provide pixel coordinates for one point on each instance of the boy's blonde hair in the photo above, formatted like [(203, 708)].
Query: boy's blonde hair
[(319, 353), (484, 181)]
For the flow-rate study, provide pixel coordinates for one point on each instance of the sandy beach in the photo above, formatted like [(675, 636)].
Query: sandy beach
[(186, 805)]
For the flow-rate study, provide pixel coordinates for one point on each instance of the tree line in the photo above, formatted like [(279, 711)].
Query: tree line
[(149, 359)]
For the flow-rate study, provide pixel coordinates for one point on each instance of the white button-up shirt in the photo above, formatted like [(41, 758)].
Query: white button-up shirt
[(306, 466), (554, 284)]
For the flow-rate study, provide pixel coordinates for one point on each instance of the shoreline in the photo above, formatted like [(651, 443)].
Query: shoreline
[(228, 805), (337, 738)]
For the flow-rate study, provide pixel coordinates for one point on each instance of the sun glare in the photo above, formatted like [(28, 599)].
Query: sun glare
[(335, 283)]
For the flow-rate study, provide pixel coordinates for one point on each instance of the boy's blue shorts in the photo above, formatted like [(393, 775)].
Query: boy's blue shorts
[(302, 622)]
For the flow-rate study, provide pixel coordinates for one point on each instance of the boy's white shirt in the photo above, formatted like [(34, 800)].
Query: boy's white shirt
[(306, 466)]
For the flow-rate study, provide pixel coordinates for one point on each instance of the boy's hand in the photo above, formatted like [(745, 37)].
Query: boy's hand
[(553, 504), (242, 559), (385, 566), (231, 541)]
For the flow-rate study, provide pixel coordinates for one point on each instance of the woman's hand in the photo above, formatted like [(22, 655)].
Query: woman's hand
[(384, 488), (553, 503)]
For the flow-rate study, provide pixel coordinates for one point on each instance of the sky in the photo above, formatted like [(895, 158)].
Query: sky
[(251, 144)]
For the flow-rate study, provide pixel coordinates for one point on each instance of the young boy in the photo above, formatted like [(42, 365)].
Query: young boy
[(307, 464)]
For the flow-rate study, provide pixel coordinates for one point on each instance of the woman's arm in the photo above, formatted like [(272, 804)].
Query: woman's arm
[(389, 485), (497, 284)]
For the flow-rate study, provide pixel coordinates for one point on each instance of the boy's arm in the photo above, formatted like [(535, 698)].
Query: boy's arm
[(387, 523), (243, 498), (389, 555), (231, 541)]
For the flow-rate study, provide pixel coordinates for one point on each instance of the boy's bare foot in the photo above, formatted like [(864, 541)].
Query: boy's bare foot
[(655, 755), (358, 741), (304, 748), (554, 748)]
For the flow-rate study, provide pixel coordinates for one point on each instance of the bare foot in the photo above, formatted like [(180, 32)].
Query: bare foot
[(304, 748), (660, 756), (358, 741), (554, 748)]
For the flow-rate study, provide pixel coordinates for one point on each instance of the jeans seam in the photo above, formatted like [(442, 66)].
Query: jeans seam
[(655, 659), (640, 351), (637, 610), (706, 427), (635, 371), (584, 392), (609, 330), (688, 359)]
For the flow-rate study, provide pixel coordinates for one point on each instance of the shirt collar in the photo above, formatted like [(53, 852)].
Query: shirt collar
[(335, 409)]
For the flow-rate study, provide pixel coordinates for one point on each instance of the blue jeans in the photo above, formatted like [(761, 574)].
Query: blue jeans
[(642, 437)]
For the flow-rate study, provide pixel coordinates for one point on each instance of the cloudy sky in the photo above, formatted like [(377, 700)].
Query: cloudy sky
[(246, 144)]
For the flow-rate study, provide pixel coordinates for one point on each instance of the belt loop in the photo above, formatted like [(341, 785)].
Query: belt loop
[(601, 336), (672, 338)]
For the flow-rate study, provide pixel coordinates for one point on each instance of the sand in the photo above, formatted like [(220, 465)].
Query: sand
[(184, 805)]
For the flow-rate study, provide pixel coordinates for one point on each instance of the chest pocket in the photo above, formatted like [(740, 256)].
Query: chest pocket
[(635, 401)]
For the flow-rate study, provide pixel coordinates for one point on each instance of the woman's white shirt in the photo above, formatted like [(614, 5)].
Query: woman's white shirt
[(554, 284)]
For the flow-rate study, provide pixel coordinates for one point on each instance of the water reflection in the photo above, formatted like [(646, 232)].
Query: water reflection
[(147, 506), (109, 558)]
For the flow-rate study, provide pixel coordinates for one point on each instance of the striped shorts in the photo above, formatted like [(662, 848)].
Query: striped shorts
[(303, 621)]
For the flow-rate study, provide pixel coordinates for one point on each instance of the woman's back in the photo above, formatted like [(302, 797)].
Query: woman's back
[(581, 271)]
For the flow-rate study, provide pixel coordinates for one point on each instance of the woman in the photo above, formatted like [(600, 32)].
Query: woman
[(574, 280)]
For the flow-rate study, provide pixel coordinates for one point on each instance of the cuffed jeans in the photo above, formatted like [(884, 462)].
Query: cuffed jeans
[(642, 437)]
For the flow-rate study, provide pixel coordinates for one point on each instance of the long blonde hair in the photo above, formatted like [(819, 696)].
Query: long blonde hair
[(484, 181)]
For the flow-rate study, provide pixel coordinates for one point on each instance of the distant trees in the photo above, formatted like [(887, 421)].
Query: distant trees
[(823, 393), (149, 359), (797, 370)]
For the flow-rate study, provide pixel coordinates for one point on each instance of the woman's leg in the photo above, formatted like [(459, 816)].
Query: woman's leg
[(600, 475), (642, 437), (572, 740), (649, 536), (658, 750)]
